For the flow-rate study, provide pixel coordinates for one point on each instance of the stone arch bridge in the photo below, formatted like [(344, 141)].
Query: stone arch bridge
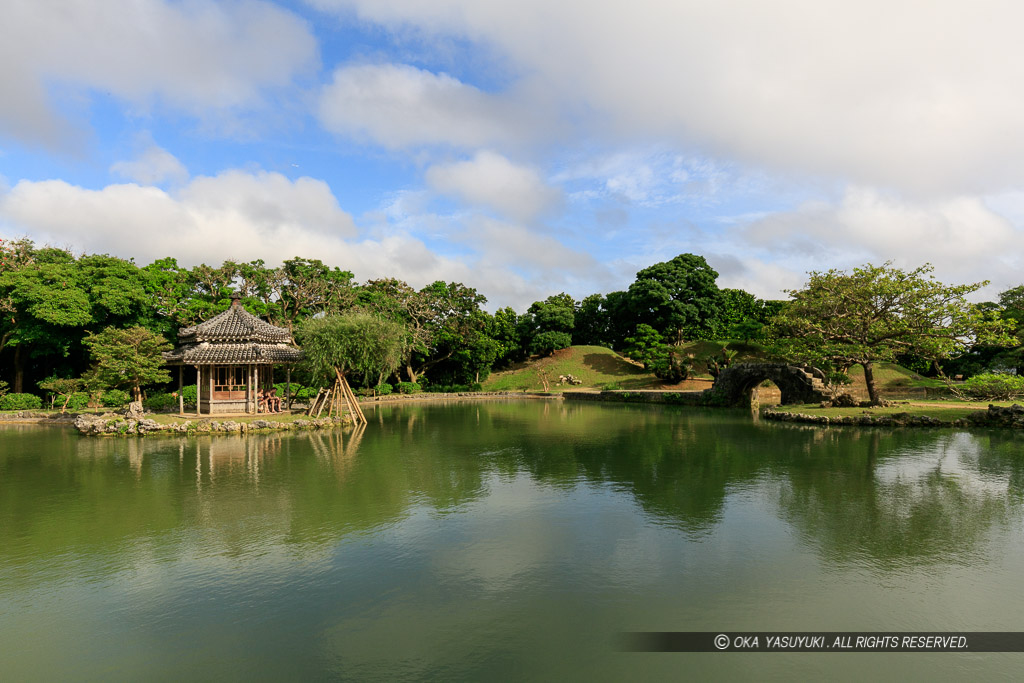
[(798, 383)]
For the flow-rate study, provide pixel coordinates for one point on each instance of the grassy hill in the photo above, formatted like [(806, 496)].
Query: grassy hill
[(597, 366)]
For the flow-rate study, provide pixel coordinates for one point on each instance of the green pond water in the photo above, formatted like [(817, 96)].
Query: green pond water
[(504, 541)]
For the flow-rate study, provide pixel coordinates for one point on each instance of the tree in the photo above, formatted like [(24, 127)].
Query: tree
[(645, 346), (60, 386), (356, 342), (876, 313), (128, 358), (1011, 309), (504, 329), (678, 298), (45, 303), (549, 324), (401, 303), (456, 328), (591, 324), (308, 287)]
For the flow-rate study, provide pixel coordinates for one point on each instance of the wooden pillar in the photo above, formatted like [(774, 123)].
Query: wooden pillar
[(199, 390), (288, 387), (210, 387), (181, 385)]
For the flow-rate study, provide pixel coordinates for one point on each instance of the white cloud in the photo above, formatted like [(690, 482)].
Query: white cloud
[(232, 215), (199, 56), (153, 166), (245, 216), (963, 238), (491, 180), (881, 92), (514, 245), (400, 106)]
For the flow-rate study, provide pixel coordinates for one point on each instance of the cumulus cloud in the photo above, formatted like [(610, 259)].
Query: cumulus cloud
[(245, 216), (199, 56), (882, 92), (962, 237), (232, 215), (492, 181), (509, 244), (153, 166), (401, 106)]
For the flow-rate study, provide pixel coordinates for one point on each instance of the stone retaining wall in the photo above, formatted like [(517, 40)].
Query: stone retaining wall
[(34, 416), (429, 396), (678, 398), (116, 425)]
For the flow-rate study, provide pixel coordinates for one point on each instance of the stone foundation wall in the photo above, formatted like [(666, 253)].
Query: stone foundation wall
[(678, 398)]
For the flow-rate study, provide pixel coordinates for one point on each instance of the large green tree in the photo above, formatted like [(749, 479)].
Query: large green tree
[(441, 319), (548, 324), (46, 303), (678, 298), (876, 313), (128, 358)]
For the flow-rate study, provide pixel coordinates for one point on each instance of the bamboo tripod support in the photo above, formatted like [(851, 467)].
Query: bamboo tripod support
[(345, 392), (335, 399)]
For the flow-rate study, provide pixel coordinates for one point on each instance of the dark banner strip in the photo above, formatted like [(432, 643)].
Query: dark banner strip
[(820, 641)]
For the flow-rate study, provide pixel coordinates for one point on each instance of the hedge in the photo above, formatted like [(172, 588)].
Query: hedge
[(20, 402)]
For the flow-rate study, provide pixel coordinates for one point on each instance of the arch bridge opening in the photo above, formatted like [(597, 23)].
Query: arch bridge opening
[(795, 384)]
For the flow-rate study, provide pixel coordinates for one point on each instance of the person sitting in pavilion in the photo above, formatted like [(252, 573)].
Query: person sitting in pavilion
[(273, 401)]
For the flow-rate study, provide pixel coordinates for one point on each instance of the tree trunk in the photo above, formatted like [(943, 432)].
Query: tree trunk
[(869, 379), (19, 370), (412, 373)]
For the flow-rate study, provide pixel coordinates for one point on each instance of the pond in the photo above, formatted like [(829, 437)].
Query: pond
[(503, 541)]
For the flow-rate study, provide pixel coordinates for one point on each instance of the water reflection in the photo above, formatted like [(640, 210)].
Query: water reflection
[(452, 538), (888, 496)]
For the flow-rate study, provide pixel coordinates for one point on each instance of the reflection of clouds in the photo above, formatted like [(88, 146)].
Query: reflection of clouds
[(954, 458), (508, 535)]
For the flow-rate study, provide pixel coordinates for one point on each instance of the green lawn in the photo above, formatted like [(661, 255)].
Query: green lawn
[(941, 410)]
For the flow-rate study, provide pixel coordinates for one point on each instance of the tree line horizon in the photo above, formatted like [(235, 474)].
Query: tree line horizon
[(55, 305)]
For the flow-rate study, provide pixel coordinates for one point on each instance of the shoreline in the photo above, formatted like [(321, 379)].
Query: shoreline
[(113, 424), (116, 424)]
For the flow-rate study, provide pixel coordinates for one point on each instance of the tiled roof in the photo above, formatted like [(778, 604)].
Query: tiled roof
[(234, 325), (206, 353)]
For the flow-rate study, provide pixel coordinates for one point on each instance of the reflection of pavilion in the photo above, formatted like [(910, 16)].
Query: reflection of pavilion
[(234, 354), (229, 454)]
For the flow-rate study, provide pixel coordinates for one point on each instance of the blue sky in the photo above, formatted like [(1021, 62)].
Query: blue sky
[(523, 148)]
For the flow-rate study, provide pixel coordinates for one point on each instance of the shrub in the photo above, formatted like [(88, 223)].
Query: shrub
[(77, 401), (993, 387), (188, 393), (115, 398), (383, 389), (160, 401), (303, 394), (20, 402), (408, 388)]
